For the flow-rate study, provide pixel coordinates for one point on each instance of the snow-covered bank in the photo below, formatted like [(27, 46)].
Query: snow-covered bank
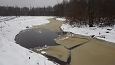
[(105, 33), (9, 29), (12, 53)]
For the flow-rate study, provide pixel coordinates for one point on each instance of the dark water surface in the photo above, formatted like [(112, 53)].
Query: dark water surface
[(31, 38)]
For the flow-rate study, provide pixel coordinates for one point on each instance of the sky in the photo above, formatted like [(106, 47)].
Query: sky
[(29, 3)]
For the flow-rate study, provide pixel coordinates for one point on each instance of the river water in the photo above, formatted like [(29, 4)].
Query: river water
[(31, 38)]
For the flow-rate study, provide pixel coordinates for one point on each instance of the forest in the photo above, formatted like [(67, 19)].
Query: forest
[(83, 12)]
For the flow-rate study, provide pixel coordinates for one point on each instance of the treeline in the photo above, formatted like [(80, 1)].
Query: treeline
[(91, 12), (73, 8), (84, 8), (16, 11)]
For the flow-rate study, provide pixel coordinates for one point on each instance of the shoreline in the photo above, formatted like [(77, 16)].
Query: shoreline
[(92, 51)]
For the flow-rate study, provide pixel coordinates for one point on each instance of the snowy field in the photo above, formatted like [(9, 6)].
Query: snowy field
[(105, 33), (12, 53)]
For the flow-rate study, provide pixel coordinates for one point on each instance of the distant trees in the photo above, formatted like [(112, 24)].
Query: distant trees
[(16, 11), (74, 8), (91, 12)]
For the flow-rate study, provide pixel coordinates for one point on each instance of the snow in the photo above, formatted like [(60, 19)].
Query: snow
[(11, 28), (43, 52), (14, 54), (100, 33), (61, 19)]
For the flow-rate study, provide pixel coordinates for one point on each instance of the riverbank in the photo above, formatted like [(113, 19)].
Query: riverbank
[(84, 50), (12, 53)]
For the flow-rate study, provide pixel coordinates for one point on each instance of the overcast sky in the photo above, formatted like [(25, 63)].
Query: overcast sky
[(29, 3)]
